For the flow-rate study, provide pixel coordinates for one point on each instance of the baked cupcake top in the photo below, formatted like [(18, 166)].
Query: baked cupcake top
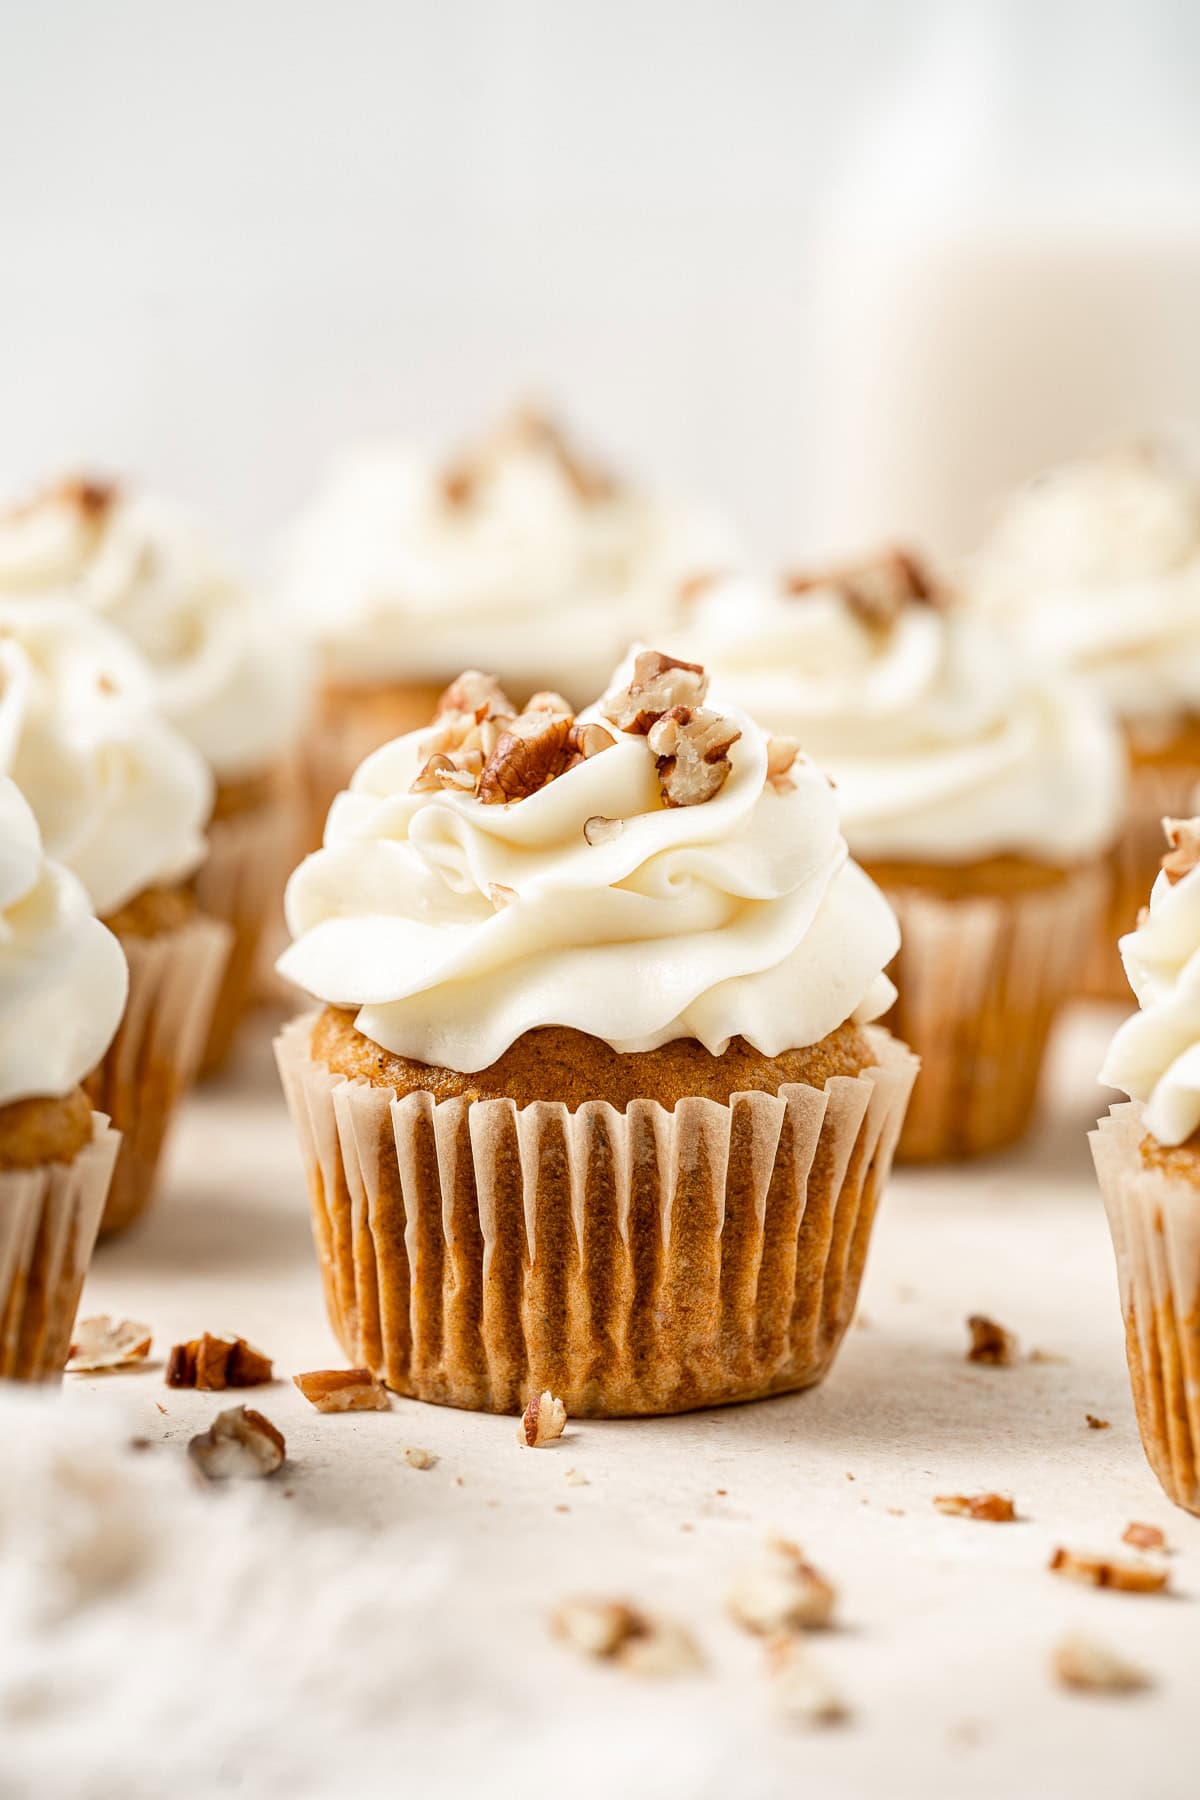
[(226, 674), (1155, 1055), (656, 868), (63, 977), (1097, 565), (120, 797), (519, 555), (944, 744)]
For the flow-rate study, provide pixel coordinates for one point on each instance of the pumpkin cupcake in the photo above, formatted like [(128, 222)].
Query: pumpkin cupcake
[(518, 552), (981, 792), (1096, 566), (225, 678), (594, 1101), (121, 799), (1147, 1156), (62, 991)]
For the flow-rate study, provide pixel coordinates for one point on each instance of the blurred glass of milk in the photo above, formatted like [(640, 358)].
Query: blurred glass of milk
[(1010, 268)]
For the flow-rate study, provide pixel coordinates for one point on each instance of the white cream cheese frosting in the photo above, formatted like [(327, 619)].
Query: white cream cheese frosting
[(945, 745), (120, 797), (454, 926), (227, 675), (63, 977), (521, 561), (1155, 1055), (1096, 565)]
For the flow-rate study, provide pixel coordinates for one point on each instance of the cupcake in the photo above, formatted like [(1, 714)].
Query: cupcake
[(121, 799), (225, 678), (981, 791), (518, 553), (1147, 1154), (62, 991), (1096, 565), (594, 1100)]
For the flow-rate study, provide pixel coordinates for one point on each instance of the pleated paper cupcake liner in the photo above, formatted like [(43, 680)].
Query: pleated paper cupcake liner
[(474, 1253), (174, 979), (1155, 1223), (241, 882), (980, 979), (1155, 793), (349, 723), (49, 1218)]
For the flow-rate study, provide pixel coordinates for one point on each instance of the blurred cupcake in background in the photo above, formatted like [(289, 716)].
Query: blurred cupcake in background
[(1147, 1156), (980, 789), (1096, 566), (519, 556), (63, 986), (225, 676), (121, 799)]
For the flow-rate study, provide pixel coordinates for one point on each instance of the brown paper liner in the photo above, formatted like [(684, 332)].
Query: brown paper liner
[(646, 1262), (241, 882), (152, 1061), (1155, 1222), (350, 721), (979, 980), (49, 1217)]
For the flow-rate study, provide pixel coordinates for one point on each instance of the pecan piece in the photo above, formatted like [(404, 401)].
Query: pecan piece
[(1095, 1424), (990, 1343), (878, 590), (343, 1390), (442, 771), (240, 1444), (781, 760), (213, 1362), (616, 1631), (782, 1592), (546, 700), (543, 1420), (599, 830), (588, 740), (998, 1509), (1106, 1572), (1083, 1664), (418, 1458), (530, 751), (659, 683), (1183, 835), (475, 693), (800, 1691), (691, 750), (1144, 1537), (104, 1343)]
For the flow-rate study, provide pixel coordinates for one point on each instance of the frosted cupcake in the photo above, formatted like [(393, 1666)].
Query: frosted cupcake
[(518, 554), (981, 791), (62, 992), (121, 799), (594, 1101), (225, 677), (1148, 1160), (1096, 565)]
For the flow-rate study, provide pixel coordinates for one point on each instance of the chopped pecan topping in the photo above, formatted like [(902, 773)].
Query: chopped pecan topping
[(543, 1420), (343, 1390), (417, 1458), (530, 751), (1144, 1537), (213, 1362), (526, 430), (547, 700), (589, 739), (441, 772), (1106, 1572), (659, 683), (616, 1631), (475, 693), (1082, 1663), (781, 760), (599, 830), (990, 1343), (800, 1691), (104, 1343), (877, 591), (781, 1592), (1183, 835), (239, 1444), (692, 754), (997, 1508)]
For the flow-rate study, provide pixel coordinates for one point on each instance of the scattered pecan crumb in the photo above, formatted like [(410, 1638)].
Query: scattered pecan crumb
[(990, 1343), (576, 1478), (1144, 1537), (416, 1458), (1106, 1572), (781, 760), (1081, 1663), (1183, 835), (659, 683), (543, 1420), (1095, 1424), (1048, 1356), (140, 1443), (614, 1630), (781, 1592), (599, 830), (877, 590), (213, 1362), (343, 1390), (562, 1508), (106, 1343), (691, 751), (997, 1508), (800, 1691), (692, 587), (239, 1444)]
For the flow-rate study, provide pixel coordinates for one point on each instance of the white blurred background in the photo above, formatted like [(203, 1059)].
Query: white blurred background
[(776, 251)]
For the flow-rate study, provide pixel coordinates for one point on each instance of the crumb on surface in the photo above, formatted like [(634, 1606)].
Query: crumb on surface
[(990, 1343)]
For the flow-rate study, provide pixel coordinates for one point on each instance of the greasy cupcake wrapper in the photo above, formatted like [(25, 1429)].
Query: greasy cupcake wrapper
[(1155, 793), (49, 1217), (979, 980), (474, 1253), (1155, 1224), (173, 983), (241, 881), (350, 722)]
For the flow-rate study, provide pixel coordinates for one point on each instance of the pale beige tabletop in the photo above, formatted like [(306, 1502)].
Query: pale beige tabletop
[(947, 1626)]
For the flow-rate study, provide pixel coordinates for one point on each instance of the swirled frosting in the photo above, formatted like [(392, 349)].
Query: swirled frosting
[(1097, 565), (120, 797), (1155, 1055), (63, 977), (226, 675), (521, 561), (455, 926), (944, 745)]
